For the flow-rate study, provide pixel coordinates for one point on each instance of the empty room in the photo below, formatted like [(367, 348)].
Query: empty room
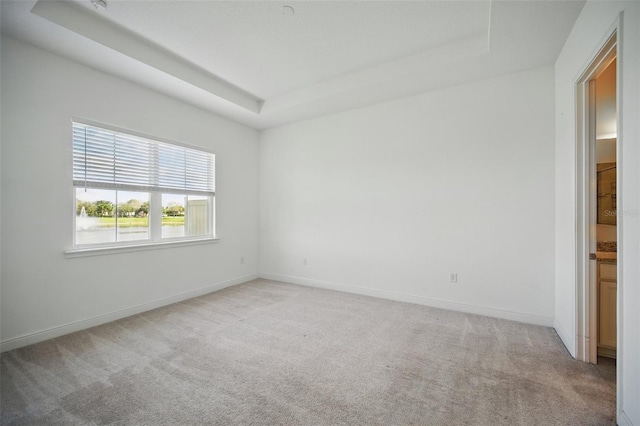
[(320, 212)]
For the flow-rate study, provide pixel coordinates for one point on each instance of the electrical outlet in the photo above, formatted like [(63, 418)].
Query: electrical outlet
[(304, 261), (242, 260), (453, 278)]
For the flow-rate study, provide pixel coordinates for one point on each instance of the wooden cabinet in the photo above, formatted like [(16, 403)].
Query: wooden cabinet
[(607, 308)]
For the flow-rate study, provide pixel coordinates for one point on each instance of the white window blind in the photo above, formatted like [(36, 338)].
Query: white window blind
[(105, 158)]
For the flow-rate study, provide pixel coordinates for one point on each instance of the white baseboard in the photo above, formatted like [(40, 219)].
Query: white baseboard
[(623, 419), (568, 340), (420, 300), (40, 336)]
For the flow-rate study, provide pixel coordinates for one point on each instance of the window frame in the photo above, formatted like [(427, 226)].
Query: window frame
[(155, 215)]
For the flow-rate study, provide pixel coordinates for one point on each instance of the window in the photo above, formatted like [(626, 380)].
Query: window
[(132, 190)]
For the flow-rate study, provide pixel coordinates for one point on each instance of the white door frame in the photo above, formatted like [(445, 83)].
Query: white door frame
[(586, 191)]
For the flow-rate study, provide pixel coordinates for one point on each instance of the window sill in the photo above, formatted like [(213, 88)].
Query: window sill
[(99, 251)]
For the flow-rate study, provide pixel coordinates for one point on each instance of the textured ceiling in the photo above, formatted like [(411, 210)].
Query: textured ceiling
[(251, 62)]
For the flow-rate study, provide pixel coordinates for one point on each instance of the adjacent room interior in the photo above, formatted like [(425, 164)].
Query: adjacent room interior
[(320, 212), (606, 230)]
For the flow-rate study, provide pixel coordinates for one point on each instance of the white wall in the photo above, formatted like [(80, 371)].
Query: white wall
[(606, 150), (389, 199), (41, 289), (586, 37)]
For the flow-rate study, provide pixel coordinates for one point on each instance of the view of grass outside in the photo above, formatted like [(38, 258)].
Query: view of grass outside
[(107, 216), (128, 222)]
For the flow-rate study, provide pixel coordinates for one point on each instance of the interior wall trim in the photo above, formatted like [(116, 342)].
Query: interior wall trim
[(623, 419), (410, 298), (29, 339), (567, 339)]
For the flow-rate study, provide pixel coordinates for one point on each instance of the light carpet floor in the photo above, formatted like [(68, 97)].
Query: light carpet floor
[(272, 353)]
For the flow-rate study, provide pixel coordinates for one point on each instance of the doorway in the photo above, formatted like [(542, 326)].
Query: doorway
[(604, 286), (598, 167)]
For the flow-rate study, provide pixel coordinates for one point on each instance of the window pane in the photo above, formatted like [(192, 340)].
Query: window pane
[(95, 220), (197, 215), (173, 215), (184, 215), (107, 216), (132, 216)]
